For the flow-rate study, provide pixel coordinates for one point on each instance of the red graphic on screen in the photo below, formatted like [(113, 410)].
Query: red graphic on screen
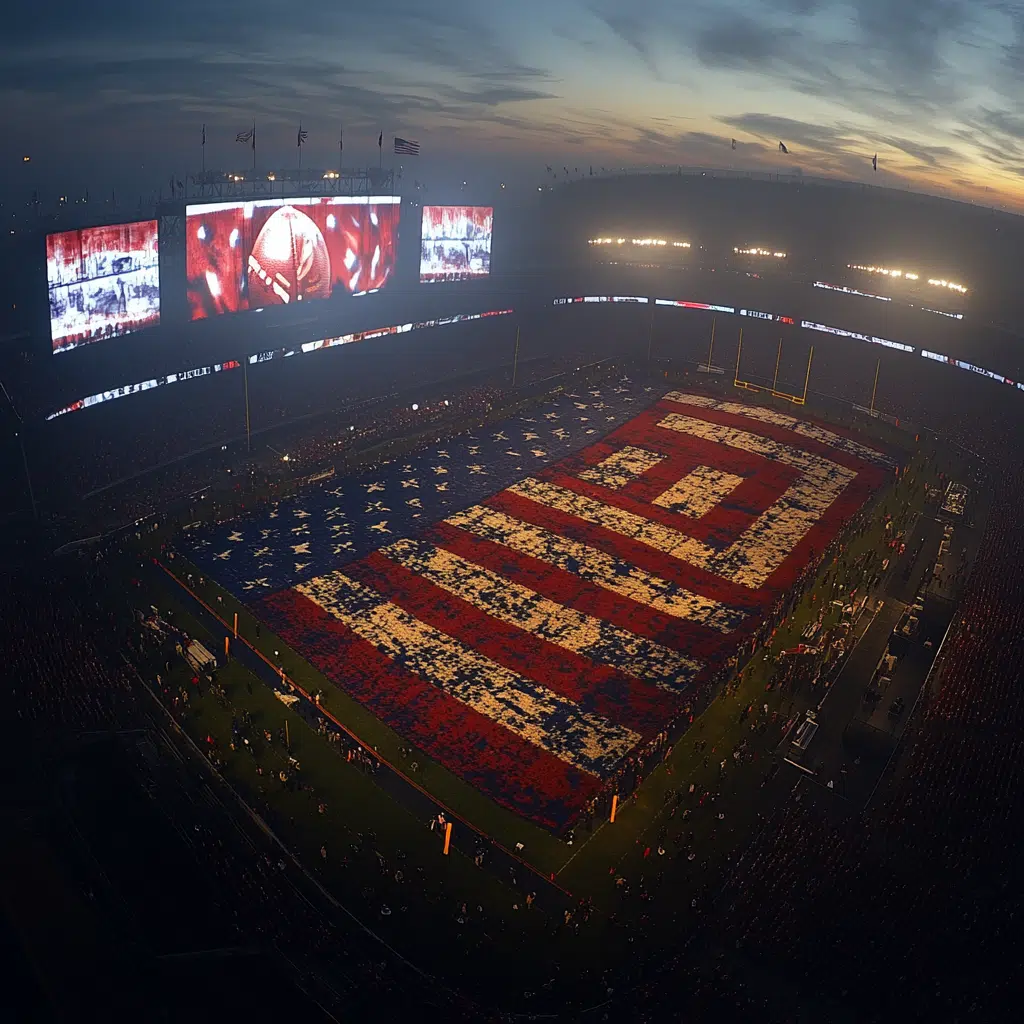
[(455, 243), (250, 255), (103, 282)]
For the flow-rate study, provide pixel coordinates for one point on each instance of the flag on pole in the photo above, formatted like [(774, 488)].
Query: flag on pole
[(248, 136), (782, 148), (405, 147), (204, 134), (874, 162), (733, 143), (341, 140), (302, 136), (380, 140)]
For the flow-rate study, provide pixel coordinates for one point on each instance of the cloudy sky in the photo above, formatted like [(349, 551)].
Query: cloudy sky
[(118, 89)]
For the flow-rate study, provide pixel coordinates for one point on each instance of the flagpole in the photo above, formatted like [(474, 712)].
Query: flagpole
[(254, 145), (515, 359), (874, 387), (204, 149), (650, 334), (778, 359), (711, 347), (299, 146)]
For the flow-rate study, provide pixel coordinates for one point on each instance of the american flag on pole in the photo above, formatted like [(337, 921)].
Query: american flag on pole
[(403, 147), (532, 603)]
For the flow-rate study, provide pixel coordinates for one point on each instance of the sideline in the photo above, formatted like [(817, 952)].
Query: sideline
[(260, 822), (395, 771)]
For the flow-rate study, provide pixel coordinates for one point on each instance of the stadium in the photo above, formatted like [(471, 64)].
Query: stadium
[(595, 601)]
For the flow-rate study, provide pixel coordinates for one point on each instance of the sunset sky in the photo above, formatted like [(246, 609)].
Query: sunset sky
[(118, 91)]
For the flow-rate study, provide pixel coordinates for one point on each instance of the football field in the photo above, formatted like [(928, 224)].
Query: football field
[(532, 603)]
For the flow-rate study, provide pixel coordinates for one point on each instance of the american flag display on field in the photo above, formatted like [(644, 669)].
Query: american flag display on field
[(531, 602)]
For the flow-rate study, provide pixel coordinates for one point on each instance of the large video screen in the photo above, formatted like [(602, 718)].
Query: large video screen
[(273, 252), (456, 243), (103, 282)]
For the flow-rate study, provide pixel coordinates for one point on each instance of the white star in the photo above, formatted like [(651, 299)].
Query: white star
[(337, 492), (443, 455), (441, 487), (407, 469), (371, 488), (414, 503), (341, 528), (264, 534), (251, 584), (299, 566), (584, 419), (539, 452), (335, 513), (580, 405), (236, 537), (474, 449), (477, 469), (440, 470), (531, 436), (411, 482), (377, 506), (225, 555), (345, 545), (301, 549), (514, 455), (261, 552), (301, 530), (500, 436), (301, 513), (381, 527), (551, 415)]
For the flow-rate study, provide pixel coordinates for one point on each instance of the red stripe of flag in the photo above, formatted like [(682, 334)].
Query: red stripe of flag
[(513, 772), (695, 640), (597, 688)]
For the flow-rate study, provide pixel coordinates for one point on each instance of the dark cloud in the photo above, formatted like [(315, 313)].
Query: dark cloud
[(743, 43)]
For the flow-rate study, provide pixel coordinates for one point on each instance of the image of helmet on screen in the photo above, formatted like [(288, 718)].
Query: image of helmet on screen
[(289, 261)]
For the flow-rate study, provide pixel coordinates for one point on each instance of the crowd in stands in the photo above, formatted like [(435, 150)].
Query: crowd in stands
[(914, 905)]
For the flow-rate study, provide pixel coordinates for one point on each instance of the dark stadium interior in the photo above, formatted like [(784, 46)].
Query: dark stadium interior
[(872, 874)]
